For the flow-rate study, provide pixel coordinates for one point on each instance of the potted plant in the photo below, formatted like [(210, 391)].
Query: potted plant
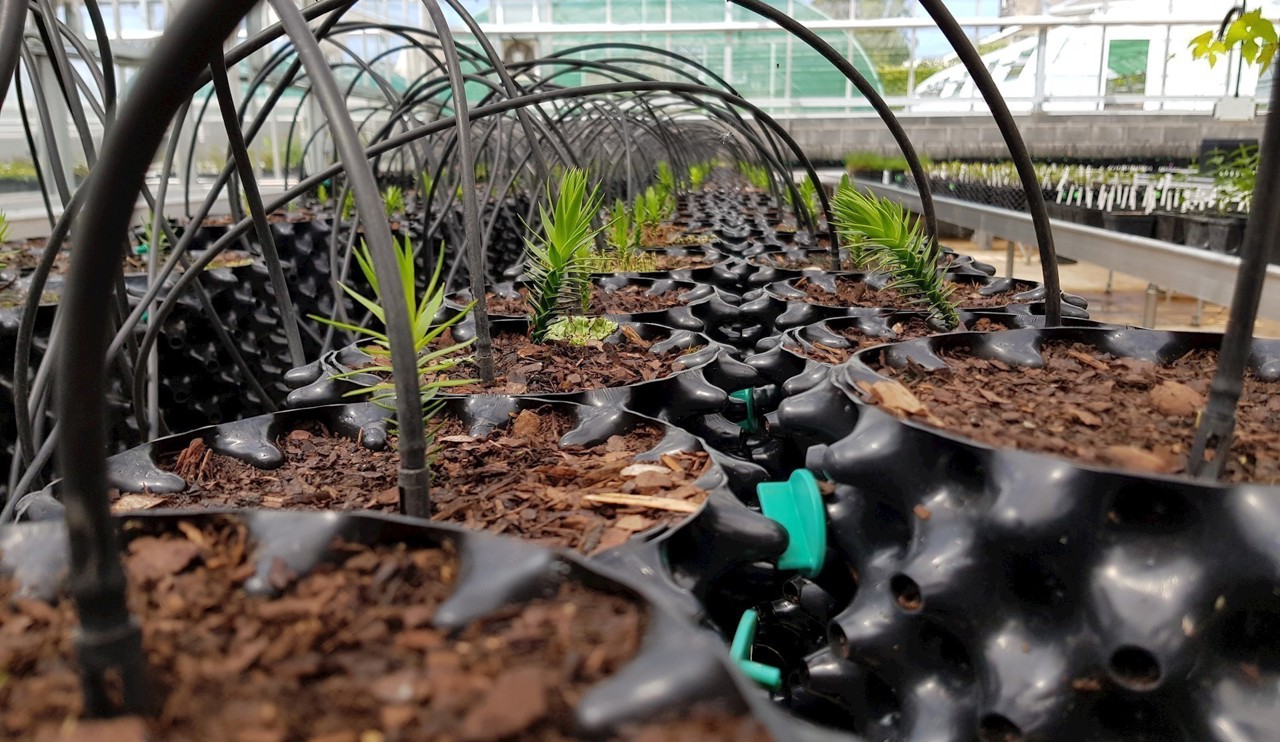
[(883, 239)]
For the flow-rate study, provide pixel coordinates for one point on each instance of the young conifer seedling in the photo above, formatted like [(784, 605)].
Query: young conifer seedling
[(622, 233), (698, 173), (393, 200), (889, 241), (559, 259)]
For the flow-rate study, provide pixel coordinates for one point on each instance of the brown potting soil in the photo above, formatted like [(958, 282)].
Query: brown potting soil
[(524, 367), (812, 261), (851, 292), (623, 300), (346, 653), (517, 481), (910, 330), (1090, 407)]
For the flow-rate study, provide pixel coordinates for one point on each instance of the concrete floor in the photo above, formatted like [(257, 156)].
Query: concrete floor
[(1128, 293)]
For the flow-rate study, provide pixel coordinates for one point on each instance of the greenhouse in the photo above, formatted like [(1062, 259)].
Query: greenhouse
[(547, 370)]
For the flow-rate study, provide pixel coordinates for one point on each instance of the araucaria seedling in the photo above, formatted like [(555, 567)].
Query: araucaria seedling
[(393, 200), (559, 259), (885, 238), (622, 235), (432, 364)]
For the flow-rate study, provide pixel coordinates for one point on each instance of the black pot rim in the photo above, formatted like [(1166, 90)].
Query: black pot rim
[(847, 375)]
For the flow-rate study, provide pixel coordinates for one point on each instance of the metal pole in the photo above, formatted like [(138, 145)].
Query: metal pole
[(1149, 309), (1042, 53)]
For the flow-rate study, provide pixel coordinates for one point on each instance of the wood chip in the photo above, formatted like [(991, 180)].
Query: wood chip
[(656, 503), (894, 397), (672, 463), (129, 503), (1086, 359)]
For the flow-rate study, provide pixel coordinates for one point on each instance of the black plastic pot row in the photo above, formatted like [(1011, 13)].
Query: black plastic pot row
[(1004, 594), (679, 665)]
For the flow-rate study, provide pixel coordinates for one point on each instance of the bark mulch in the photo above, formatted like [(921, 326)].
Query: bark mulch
[(1090, 407), (669, 235), (909, 330), (624, 300), (851, 292), (344, 654), (524, 367), (517, 481)]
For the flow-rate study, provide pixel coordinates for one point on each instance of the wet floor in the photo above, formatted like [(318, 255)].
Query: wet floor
[(1128, 297)]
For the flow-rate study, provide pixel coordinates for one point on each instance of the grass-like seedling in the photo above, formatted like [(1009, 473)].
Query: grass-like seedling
[(666, 181), (431, 364), (651, 208), (757, 175), (559, 260), (322, 194), (698, 173), (808, 197), (4, 227), (882, 236), (393, 201), (622, 233), (349, 205), (152, 238)]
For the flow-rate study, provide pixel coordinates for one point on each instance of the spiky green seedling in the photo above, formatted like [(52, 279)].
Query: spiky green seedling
[(559, 260), (882, 236), (393, 200)]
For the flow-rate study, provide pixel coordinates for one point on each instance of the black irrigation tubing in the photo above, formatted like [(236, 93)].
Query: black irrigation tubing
[(886, 114), (109, 642), (472, 248), (981, 77), (240, 155), (46, 126), (311, 181), (302, 187), (414, 477), (1217, 425), (31, 147), (508, 86), (106, 56), (609, 45), (13, 19), (66, 79), (98, 76), (178, 254)]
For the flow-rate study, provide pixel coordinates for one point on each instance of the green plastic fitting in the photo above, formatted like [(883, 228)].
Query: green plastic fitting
[(796, 505), (766, 675)]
